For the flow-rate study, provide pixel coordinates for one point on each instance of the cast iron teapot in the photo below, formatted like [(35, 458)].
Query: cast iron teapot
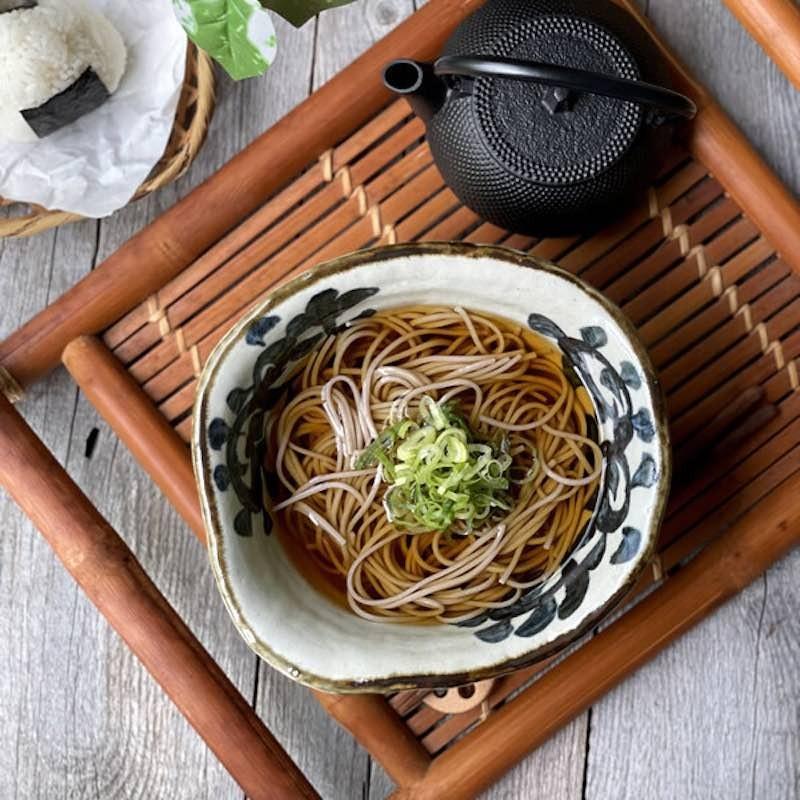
[(545, 117)]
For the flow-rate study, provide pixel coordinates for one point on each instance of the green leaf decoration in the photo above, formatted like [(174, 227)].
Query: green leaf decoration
[(238, 34), (298, 12)]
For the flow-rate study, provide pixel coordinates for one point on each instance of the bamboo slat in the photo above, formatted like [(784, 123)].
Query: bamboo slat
[(197, 285), (168, 366), (719, 144), (357, 207), (375, 724)]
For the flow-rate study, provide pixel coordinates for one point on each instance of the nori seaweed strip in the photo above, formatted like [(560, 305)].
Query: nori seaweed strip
[(86, 94), (13, 5)]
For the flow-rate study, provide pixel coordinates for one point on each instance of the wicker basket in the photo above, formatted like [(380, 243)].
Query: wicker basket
[(195, 106)]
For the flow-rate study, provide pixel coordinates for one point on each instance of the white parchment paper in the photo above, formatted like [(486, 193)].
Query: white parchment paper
[(94, 165)]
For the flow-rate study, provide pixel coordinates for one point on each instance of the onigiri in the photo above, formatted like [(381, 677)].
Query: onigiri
[(59, 60)]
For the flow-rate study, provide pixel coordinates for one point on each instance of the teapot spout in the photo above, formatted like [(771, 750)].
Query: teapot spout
[(416, 81)]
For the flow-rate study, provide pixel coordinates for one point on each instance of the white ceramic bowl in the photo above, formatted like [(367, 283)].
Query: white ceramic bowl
[(313, 640)]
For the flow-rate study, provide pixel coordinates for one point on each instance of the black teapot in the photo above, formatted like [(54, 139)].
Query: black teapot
[(545, 117)]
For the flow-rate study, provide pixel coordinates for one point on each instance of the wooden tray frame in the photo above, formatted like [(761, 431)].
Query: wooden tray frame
[(106, 569)]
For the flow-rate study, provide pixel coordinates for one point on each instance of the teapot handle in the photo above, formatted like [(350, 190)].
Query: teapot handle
[(579, 80)]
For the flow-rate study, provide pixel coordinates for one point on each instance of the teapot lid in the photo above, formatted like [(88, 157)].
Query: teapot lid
[(550, 135)]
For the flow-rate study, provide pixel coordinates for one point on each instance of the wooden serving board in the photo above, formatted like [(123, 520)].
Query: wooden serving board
[(707, 267)]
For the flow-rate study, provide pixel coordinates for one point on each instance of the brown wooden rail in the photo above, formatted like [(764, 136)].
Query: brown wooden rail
[(136, 421), (100, 561), (775, 25), (140, 427)]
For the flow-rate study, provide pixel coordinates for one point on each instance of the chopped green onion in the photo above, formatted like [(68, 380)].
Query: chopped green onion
[(439, 471)]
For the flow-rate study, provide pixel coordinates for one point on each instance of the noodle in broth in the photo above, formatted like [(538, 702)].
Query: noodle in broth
[(507, 383)]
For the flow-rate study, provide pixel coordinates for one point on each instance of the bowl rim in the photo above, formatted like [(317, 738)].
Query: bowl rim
[(214, 529)]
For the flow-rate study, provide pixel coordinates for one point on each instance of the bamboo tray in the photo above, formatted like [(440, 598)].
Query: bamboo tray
[(707, 267)]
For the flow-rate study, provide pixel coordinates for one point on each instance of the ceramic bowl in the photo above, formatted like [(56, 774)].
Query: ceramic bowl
[(315, 641)]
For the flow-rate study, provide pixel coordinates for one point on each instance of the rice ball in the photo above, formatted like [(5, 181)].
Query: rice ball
[(59, 60)]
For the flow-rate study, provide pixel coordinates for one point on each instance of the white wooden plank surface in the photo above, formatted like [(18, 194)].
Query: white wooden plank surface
[(717, 715)]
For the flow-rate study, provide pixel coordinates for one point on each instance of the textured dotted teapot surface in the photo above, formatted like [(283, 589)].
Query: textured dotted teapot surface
[(559, 146), (529, 159)]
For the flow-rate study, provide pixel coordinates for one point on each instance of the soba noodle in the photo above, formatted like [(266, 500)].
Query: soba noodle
[(508, 384)]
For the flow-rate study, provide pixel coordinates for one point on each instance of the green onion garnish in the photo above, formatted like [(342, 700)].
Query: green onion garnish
[(439, 471)]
